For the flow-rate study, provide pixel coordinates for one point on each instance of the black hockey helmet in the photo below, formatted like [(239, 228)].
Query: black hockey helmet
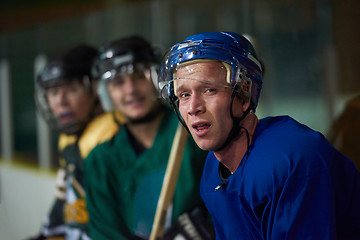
[(125, 56), (123, 52), (74, 64)]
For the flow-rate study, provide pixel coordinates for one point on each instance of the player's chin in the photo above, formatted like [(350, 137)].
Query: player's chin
[(66, 120), (204, 144), (136, 112)]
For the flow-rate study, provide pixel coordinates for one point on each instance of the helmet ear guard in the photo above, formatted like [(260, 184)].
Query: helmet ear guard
[(244, 86)]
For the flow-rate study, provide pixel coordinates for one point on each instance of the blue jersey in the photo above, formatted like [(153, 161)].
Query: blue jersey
[(292, 185)]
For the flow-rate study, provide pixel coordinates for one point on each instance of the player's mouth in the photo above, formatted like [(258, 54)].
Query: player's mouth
[(135, 102), (201, 128), (66, 117)]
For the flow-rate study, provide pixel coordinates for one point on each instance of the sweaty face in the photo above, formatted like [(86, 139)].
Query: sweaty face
[(70, 102), (204, 102), (133, 94)]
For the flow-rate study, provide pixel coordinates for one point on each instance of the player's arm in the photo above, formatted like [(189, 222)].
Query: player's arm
[(105, 220)]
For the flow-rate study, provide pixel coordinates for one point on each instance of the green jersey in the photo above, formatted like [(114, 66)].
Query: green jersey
[(123, 188)]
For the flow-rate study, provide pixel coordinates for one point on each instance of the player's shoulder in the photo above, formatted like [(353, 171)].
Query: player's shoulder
[(65, 140), (291, 143), (103, 150), (99, 130), (285, 127), (279, 122), (282, 137), (105, 122)]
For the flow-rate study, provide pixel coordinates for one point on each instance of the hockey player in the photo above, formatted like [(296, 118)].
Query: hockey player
[(272, 178), (66, 97), (345, 130), (124, 175)]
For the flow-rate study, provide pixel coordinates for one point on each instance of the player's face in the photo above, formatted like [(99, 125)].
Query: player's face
[(204, 102), (133, 94), (70, 102)]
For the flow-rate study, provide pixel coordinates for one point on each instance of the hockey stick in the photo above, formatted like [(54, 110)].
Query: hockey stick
[(169, 183)]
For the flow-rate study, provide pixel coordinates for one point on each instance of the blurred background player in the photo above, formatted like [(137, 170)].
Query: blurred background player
[(345, 131), (66, 97), (124, 176)]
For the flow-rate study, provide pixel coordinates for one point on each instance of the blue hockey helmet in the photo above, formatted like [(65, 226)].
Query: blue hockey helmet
[(232, 49)]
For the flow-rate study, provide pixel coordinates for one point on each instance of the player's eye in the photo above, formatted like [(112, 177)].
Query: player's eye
[(210, 90), (183, 95)]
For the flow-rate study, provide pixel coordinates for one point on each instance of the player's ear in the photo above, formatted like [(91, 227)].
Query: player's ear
[(245, 105)]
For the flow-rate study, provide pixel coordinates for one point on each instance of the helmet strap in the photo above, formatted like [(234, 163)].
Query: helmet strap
[(234, 132), (176, 109)]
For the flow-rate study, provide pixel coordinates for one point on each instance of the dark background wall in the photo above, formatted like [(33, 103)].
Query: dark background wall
[(310, 48)]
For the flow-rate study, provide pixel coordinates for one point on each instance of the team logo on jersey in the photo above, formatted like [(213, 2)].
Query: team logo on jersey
[(76, 212)]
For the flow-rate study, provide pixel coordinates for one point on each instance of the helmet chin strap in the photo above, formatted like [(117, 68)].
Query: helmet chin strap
[(176, 107), (234, 132)]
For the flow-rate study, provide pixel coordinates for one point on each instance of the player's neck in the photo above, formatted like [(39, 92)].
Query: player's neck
[(145, 132), (232, 155)]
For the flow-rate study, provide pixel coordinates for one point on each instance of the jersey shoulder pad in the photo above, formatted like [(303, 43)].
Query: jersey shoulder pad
[(65, 140), (101, 129)]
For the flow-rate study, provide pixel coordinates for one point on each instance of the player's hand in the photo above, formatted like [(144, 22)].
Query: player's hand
[(60, 191), (192, 225), (42, 237)]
